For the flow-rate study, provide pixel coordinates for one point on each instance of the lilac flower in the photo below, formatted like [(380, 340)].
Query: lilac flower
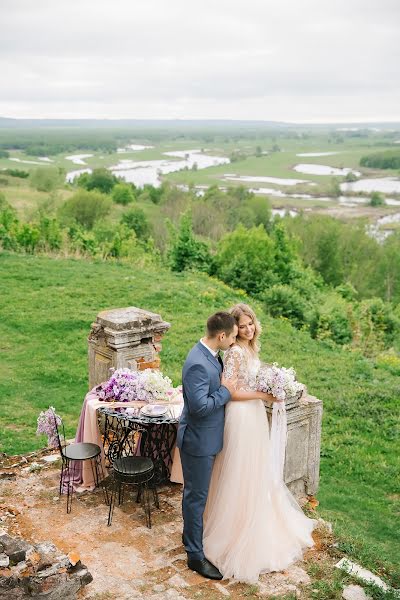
[(125, 385), (46, 426), (278, 381)]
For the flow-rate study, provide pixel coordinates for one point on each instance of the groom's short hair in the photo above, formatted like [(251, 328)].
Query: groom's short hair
[(219, 322)]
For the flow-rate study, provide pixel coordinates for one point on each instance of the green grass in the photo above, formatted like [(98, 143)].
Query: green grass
[(48, 304)]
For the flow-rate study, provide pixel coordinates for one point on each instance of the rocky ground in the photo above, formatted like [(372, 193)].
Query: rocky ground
[(128, 560)]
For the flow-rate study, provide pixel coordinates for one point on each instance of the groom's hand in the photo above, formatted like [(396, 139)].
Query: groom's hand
[(228, 384)]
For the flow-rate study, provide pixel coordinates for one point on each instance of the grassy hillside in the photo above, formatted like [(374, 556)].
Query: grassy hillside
[(47, 306)]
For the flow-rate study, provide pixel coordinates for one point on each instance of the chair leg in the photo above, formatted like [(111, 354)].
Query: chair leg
[(155, 497), (112, 500), (102, 482), (146, 504), (61, 478), (121, 493), (70, 485), (139, 493)]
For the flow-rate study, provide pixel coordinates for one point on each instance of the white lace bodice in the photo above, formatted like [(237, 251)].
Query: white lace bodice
[(241, 368)]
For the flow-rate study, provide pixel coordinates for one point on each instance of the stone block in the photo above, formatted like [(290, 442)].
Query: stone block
[(304, 422), (14, 548), (124, 337)]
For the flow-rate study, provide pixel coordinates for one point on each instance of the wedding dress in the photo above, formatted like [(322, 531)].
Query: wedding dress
[(252, 524)]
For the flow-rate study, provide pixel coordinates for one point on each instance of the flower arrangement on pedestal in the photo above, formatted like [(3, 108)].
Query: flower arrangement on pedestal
[(149, 386)]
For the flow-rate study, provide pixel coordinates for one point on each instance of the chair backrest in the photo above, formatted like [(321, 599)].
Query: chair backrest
[(122, 437)]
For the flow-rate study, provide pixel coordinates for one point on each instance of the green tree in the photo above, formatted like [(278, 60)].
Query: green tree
[(245, 259), (186, 252), (100, 179), (86, 208)]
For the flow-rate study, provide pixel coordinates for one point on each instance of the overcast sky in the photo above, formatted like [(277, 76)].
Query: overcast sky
[(287, 60)]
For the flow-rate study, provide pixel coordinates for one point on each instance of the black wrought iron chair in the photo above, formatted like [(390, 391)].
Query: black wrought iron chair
[(133, 470), (71, 454)]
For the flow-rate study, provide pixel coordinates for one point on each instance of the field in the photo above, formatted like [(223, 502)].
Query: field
[(273, 154), (48, 304)]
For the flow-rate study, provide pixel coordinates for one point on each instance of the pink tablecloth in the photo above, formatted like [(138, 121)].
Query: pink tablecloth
[(88, 431)]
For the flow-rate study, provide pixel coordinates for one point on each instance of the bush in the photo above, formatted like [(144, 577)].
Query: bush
[(122, 193), (16, 173), (390, 361), (46, 179), (333, 320), (152, 193), (136, 219), (378, 325), (377, 199), (86, 208), (285, 301)]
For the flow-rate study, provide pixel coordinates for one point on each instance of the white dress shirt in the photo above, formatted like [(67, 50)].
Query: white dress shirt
[(213, 352)]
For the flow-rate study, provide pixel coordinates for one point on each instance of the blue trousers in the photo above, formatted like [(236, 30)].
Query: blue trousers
[(196, 476)]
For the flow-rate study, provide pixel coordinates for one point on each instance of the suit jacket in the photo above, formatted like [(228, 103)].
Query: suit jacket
[(201, 426)]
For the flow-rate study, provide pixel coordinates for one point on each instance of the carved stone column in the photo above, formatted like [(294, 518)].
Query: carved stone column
[(304, 420), (124, 337)]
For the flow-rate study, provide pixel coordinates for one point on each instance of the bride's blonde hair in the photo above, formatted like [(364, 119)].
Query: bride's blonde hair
[(244, 309)]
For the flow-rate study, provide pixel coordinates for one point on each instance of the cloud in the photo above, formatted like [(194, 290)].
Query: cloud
[(192, 59)]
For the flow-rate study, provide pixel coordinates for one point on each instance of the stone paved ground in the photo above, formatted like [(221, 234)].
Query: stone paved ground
[(127, 560)]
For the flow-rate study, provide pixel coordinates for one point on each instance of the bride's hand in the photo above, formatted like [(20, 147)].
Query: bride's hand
[(228, 384), (267, 397)]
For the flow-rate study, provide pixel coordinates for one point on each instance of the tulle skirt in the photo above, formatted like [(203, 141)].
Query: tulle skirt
[(251, 524)]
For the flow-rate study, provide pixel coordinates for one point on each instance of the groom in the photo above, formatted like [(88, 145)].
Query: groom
[(201, 430)]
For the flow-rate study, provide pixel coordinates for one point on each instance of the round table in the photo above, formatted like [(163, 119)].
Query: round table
[(128, 432)]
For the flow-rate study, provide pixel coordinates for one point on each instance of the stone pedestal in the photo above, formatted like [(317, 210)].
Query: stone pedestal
[(304, 420), (124, 337)]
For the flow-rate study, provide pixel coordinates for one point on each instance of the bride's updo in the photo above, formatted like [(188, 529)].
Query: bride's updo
[(244, 309)]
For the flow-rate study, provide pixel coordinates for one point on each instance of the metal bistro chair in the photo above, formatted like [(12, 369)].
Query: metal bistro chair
[(76, 453), (133, 470)]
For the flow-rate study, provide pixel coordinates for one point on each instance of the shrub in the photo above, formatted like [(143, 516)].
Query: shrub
[(332, 320), (285, 301), (377, 199), (389, 361), (46, 179), (136, 219), (16, 173), (122, 193), (86, 208)]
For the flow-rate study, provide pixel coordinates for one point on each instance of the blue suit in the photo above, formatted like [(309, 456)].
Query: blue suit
[(200, 438)]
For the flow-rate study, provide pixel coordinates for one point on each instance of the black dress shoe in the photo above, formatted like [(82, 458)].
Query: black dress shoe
[(204, 568)]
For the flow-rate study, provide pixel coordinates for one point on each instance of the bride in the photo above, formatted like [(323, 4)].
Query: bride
[(252, 524)]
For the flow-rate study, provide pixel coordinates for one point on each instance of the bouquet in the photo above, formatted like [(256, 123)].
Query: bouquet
[(47, 426), (278, 381), (125, 385)]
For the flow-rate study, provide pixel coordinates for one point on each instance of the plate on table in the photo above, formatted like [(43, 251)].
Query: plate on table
[(154, 410)]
